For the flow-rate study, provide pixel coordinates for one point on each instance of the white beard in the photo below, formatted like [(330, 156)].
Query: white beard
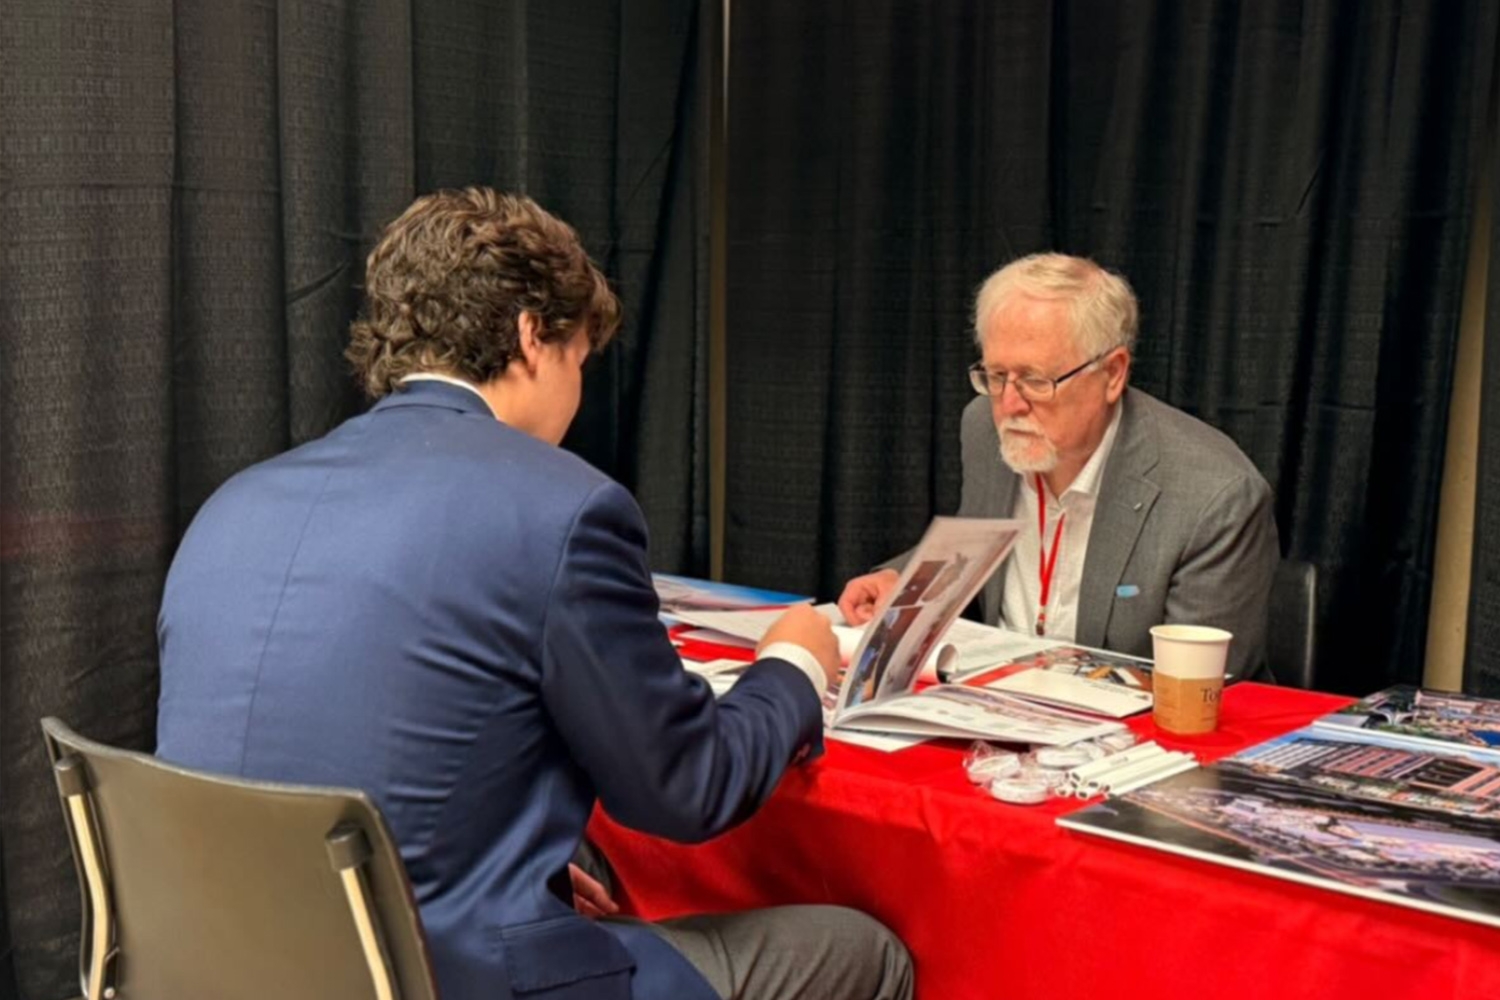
[(1026, 453)]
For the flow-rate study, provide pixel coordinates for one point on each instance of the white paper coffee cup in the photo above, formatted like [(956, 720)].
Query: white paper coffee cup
[(1188, 677)]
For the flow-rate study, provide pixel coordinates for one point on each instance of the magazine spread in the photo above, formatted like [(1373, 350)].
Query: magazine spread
[(915, 630), (1440, 718), (974, 713), (953, 560), (966, 647), (1460, 781), (1374, 814)]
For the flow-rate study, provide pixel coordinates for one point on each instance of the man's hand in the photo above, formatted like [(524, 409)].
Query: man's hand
[(589, 897), (863, 593), (810, 630)]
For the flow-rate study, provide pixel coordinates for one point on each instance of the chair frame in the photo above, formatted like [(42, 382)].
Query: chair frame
[(348, 847)]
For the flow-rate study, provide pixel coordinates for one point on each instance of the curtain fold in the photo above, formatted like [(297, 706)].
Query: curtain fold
[(1288, 186), (187, 195), (1482, 639)]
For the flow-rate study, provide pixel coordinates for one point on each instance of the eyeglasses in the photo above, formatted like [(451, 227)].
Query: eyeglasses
[(1032, 388)]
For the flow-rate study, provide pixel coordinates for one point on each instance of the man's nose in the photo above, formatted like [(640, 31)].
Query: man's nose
[(1010, 402)]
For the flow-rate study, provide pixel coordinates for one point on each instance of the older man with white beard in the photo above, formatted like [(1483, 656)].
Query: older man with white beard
[(1136, 514)]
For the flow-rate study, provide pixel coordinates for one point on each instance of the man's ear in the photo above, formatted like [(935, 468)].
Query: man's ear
[(1117, 370), (529, 328)]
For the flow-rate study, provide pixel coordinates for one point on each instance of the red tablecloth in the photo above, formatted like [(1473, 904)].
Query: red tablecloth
[(995, 901)]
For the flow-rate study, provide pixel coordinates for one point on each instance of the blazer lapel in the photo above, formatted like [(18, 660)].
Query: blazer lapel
[(1125, 499)]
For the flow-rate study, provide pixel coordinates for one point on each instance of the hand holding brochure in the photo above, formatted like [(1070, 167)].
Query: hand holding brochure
[(954, 559), (748, 628)]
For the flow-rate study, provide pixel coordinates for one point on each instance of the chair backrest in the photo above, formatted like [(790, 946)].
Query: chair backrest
[(1291, 637), (202, 886)]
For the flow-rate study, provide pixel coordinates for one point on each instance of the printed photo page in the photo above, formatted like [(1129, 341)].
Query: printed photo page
[(952, 561)]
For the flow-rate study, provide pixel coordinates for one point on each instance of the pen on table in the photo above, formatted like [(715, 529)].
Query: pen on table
[(1115, 760), (1104, 782), (1113, 782), (1153, 777)]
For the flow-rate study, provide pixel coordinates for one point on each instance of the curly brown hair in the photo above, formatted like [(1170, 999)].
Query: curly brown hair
[(447, 283)]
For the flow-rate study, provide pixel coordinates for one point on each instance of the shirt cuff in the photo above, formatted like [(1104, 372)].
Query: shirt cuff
[(801, 658)]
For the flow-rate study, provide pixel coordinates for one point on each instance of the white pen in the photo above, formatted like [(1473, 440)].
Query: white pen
[(1154, 776), (1103, 782), (1115, 760), (1099, 774)]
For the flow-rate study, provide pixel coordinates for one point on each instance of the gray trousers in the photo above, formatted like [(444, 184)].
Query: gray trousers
[(783, 952), (793, 953)]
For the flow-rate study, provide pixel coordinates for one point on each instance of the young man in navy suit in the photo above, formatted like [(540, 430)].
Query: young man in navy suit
[(437, 604)]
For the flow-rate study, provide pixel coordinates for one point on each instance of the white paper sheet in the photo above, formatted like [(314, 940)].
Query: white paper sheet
[(1114, 700), (884, 742)]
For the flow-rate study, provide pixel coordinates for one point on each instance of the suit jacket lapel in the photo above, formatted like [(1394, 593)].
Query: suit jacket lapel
[(1125, 499)]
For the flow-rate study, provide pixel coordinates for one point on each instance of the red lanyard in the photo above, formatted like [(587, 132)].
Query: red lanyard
[(1046, 562)]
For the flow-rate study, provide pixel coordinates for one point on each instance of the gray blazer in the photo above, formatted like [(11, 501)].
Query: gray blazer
[(1183, 531)]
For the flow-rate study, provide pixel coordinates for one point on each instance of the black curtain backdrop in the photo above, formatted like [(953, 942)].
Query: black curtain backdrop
[(187, 195), (1288, 185)]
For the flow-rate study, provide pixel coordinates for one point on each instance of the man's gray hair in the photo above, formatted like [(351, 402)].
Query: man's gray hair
[(1102, 309)]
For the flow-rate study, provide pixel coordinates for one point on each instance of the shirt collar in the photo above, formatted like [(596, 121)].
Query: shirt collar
[(450, 380), (1087, 482)]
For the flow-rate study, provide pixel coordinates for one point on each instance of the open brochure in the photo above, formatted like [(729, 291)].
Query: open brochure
[(966, 648), (1050, 671), (1370, 812), (954, 559), (974, 713), (1013, 687)]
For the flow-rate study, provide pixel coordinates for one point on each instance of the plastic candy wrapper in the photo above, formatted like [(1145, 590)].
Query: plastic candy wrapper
[(1030, 784), (1028, 779), (1069, 757), (984, 763), (1020, 790), (1010, 777)]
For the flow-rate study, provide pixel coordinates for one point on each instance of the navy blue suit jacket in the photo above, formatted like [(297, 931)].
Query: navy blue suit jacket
[(459, 619)]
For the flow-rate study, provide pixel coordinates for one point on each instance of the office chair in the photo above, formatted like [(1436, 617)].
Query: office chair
[(1291, 635), (202, 886)]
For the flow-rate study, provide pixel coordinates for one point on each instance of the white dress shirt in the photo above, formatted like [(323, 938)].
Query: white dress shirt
[(1022, 586), (450, 380), (798, 656), (801, 658)]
